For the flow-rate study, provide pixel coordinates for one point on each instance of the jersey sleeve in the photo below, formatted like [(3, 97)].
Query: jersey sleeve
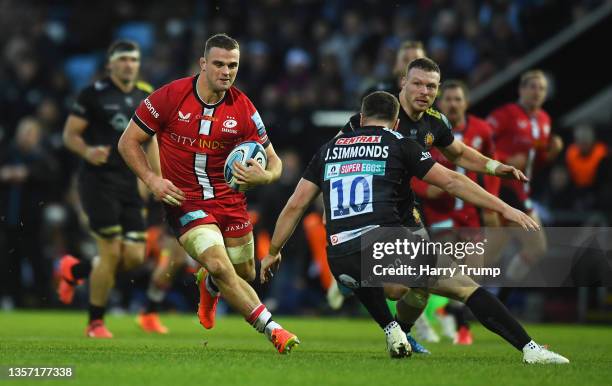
[(416, 159), (352, 124), (152, 113), (83, 106), (445, 134), (313, 171), (256, 128)]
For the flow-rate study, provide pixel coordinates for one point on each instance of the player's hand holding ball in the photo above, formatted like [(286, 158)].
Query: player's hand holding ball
[(245, 167), (251, 175)]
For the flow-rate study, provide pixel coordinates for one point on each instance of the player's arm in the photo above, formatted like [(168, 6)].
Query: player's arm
[(305, 192), (253, 174), (130, 148), (471, 159), (152, 153), (275, 165), (425, 190), (461, 186), (73, 139)]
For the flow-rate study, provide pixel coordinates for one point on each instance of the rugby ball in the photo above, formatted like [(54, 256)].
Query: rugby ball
[(241, 154)]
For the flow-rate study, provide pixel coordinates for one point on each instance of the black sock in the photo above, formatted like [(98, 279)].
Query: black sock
[(152, 306), (504, 294), (211, 283), (496, 317), (406, 327), (457, 311), (81, 270), (96, 312), (374, 301)]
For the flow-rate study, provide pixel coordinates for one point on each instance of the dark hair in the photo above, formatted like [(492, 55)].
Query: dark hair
[(455, 83), (220, 41), (424, 64), (121, 46), (380, 105)]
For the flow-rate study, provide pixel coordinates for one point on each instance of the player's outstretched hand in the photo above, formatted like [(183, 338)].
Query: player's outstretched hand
[(269, 265), (515, 215), (252, 174), (507, 171), (97, 155), (164, 190)]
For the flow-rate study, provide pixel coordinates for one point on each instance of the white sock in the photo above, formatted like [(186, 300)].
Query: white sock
[(271, 326), (391, 327), (259, 318), (531, 346)]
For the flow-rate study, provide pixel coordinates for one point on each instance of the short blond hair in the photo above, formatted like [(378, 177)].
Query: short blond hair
[(531, 74)]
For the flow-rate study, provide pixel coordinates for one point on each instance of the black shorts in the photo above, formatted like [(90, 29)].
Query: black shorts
[(356, 269), (113, 206)]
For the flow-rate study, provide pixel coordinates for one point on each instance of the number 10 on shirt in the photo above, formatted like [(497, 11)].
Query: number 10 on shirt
[(350, 196)]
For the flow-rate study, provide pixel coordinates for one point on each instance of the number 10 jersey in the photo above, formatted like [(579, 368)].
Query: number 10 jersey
[(360, 174)]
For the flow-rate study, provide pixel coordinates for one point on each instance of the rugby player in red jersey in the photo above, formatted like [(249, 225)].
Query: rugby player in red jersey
[(522, 135), (198, 120)]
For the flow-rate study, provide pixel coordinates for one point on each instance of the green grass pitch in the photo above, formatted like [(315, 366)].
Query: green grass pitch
[(333, 352)]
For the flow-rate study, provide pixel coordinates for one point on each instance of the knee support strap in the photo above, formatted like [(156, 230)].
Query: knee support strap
[(198, 240), (241, 253)]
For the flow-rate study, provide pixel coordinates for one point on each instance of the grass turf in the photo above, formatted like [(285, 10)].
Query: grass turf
[(333, 352)]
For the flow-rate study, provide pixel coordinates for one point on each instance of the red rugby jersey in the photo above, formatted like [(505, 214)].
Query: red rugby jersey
[(515, 131), (448, 210), (195, 138)]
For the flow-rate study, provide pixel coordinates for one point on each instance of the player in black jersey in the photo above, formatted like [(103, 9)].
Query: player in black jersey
[(359, 175), (419, 121), (107, 187)]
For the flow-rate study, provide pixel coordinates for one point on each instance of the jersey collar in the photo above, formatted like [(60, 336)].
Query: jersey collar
[(373, 127), (195, 92)]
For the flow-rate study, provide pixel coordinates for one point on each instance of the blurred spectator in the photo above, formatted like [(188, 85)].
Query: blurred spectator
[(584, 156), (27, 174)]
